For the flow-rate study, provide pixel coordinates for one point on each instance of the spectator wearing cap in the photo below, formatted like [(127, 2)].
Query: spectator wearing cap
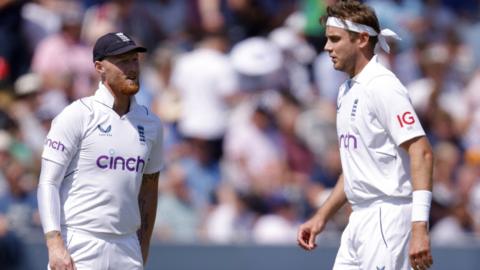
[(28, 88)]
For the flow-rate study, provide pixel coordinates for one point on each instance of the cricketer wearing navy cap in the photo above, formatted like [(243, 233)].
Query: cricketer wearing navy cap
[(112, 44), (98, 185)]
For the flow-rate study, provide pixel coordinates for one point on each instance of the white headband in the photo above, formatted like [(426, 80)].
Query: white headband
[(361, 28)]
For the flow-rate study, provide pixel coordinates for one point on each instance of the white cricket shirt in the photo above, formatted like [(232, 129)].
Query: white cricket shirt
[(106, 156), (374, 117), (204, 78)]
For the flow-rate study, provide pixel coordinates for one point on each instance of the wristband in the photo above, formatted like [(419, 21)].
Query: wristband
[(421, 202)]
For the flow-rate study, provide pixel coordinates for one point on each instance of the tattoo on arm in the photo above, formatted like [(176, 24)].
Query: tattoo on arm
[(147, 203)]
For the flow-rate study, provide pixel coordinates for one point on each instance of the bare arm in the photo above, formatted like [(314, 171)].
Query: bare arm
[(421, 163), (147, 202), (308, 231)]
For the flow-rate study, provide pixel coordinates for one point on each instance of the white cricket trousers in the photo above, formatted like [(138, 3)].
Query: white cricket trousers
[(376, 237), (95, 251)]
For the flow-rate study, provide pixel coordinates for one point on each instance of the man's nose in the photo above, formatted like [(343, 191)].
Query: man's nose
[(327, 47)]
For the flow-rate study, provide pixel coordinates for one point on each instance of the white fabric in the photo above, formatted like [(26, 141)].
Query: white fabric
[(361, 28), (376, 238), (374, 117), (256, 56), (273, 229), (204, 78), (103, 251), (51, 176), (421, 202), (106, 156)]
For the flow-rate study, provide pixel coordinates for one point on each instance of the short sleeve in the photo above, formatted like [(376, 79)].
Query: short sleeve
[(155, 163), (64, 137), (392, 107)]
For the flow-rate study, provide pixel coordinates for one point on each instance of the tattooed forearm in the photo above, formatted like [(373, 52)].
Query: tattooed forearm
[(147, 203)]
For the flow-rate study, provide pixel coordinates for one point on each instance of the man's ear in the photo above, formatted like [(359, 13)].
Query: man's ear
[(363, 39), (99, 67)]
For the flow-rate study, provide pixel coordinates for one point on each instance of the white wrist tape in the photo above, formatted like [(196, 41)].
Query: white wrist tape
[(421, 202)]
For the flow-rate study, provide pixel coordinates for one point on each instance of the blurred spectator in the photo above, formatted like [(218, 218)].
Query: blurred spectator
[(19, 204), (258, 62), (14, 51), (231, 220), (205, 90), (242, 18), (73, 73), (145, 21), (404, 17), (178, 219), (440, 90), (25, 110), (454, 229), (327, 79), (279, 226), (297, 55), (41, 19), (252, 150), (471, 127)]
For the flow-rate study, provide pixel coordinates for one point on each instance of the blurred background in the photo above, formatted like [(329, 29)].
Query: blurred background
[(247, 98)]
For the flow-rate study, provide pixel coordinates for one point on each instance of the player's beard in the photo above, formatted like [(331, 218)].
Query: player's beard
[(129, 87), (125, 86)]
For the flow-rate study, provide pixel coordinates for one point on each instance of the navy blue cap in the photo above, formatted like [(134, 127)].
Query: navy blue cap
[(112, 44)]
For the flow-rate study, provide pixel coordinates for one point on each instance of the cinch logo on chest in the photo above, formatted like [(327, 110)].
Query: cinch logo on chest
[(120, 163)]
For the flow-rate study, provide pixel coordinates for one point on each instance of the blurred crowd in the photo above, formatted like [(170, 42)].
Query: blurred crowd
[(247, 98)]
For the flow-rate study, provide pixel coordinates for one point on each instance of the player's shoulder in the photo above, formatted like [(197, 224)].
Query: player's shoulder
[(384, 81), (77, 109), (148, 116)]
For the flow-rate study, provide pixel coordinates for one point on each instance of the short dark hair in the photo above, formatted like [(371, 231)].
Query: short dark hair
[(356, 12)]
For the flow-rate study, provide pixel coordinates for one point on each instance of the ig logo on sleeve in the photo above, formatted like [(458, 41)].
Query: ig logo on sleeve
[(406, 119)]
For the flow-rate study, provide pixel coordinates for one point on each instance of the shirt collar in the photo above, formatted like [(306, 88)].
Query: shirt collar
[(104, 96), (366, 72)]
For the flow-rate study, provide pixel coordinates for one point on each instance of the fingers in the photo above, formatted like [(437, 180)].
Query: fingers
[(302, 238), (306, 238), (421, 260), (62, 263), (311, 241)]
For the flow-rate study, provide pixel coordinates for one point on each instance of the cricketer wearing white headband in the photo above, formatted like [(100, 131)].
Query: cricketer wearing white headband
[(384, 153)]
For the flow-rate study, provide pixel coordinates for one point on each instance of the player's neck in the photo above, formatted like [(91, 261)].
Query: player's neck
[(360, 63), (121, 104)]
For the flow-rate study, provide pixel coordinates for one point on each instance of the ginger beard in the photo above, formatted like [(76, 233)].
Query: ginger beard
[(121, 74), (126, 85)]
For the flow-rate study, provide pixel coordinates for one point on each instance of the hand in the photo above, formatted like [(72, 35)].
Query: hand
[(420, 254), (308, 231), (58, 256)]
